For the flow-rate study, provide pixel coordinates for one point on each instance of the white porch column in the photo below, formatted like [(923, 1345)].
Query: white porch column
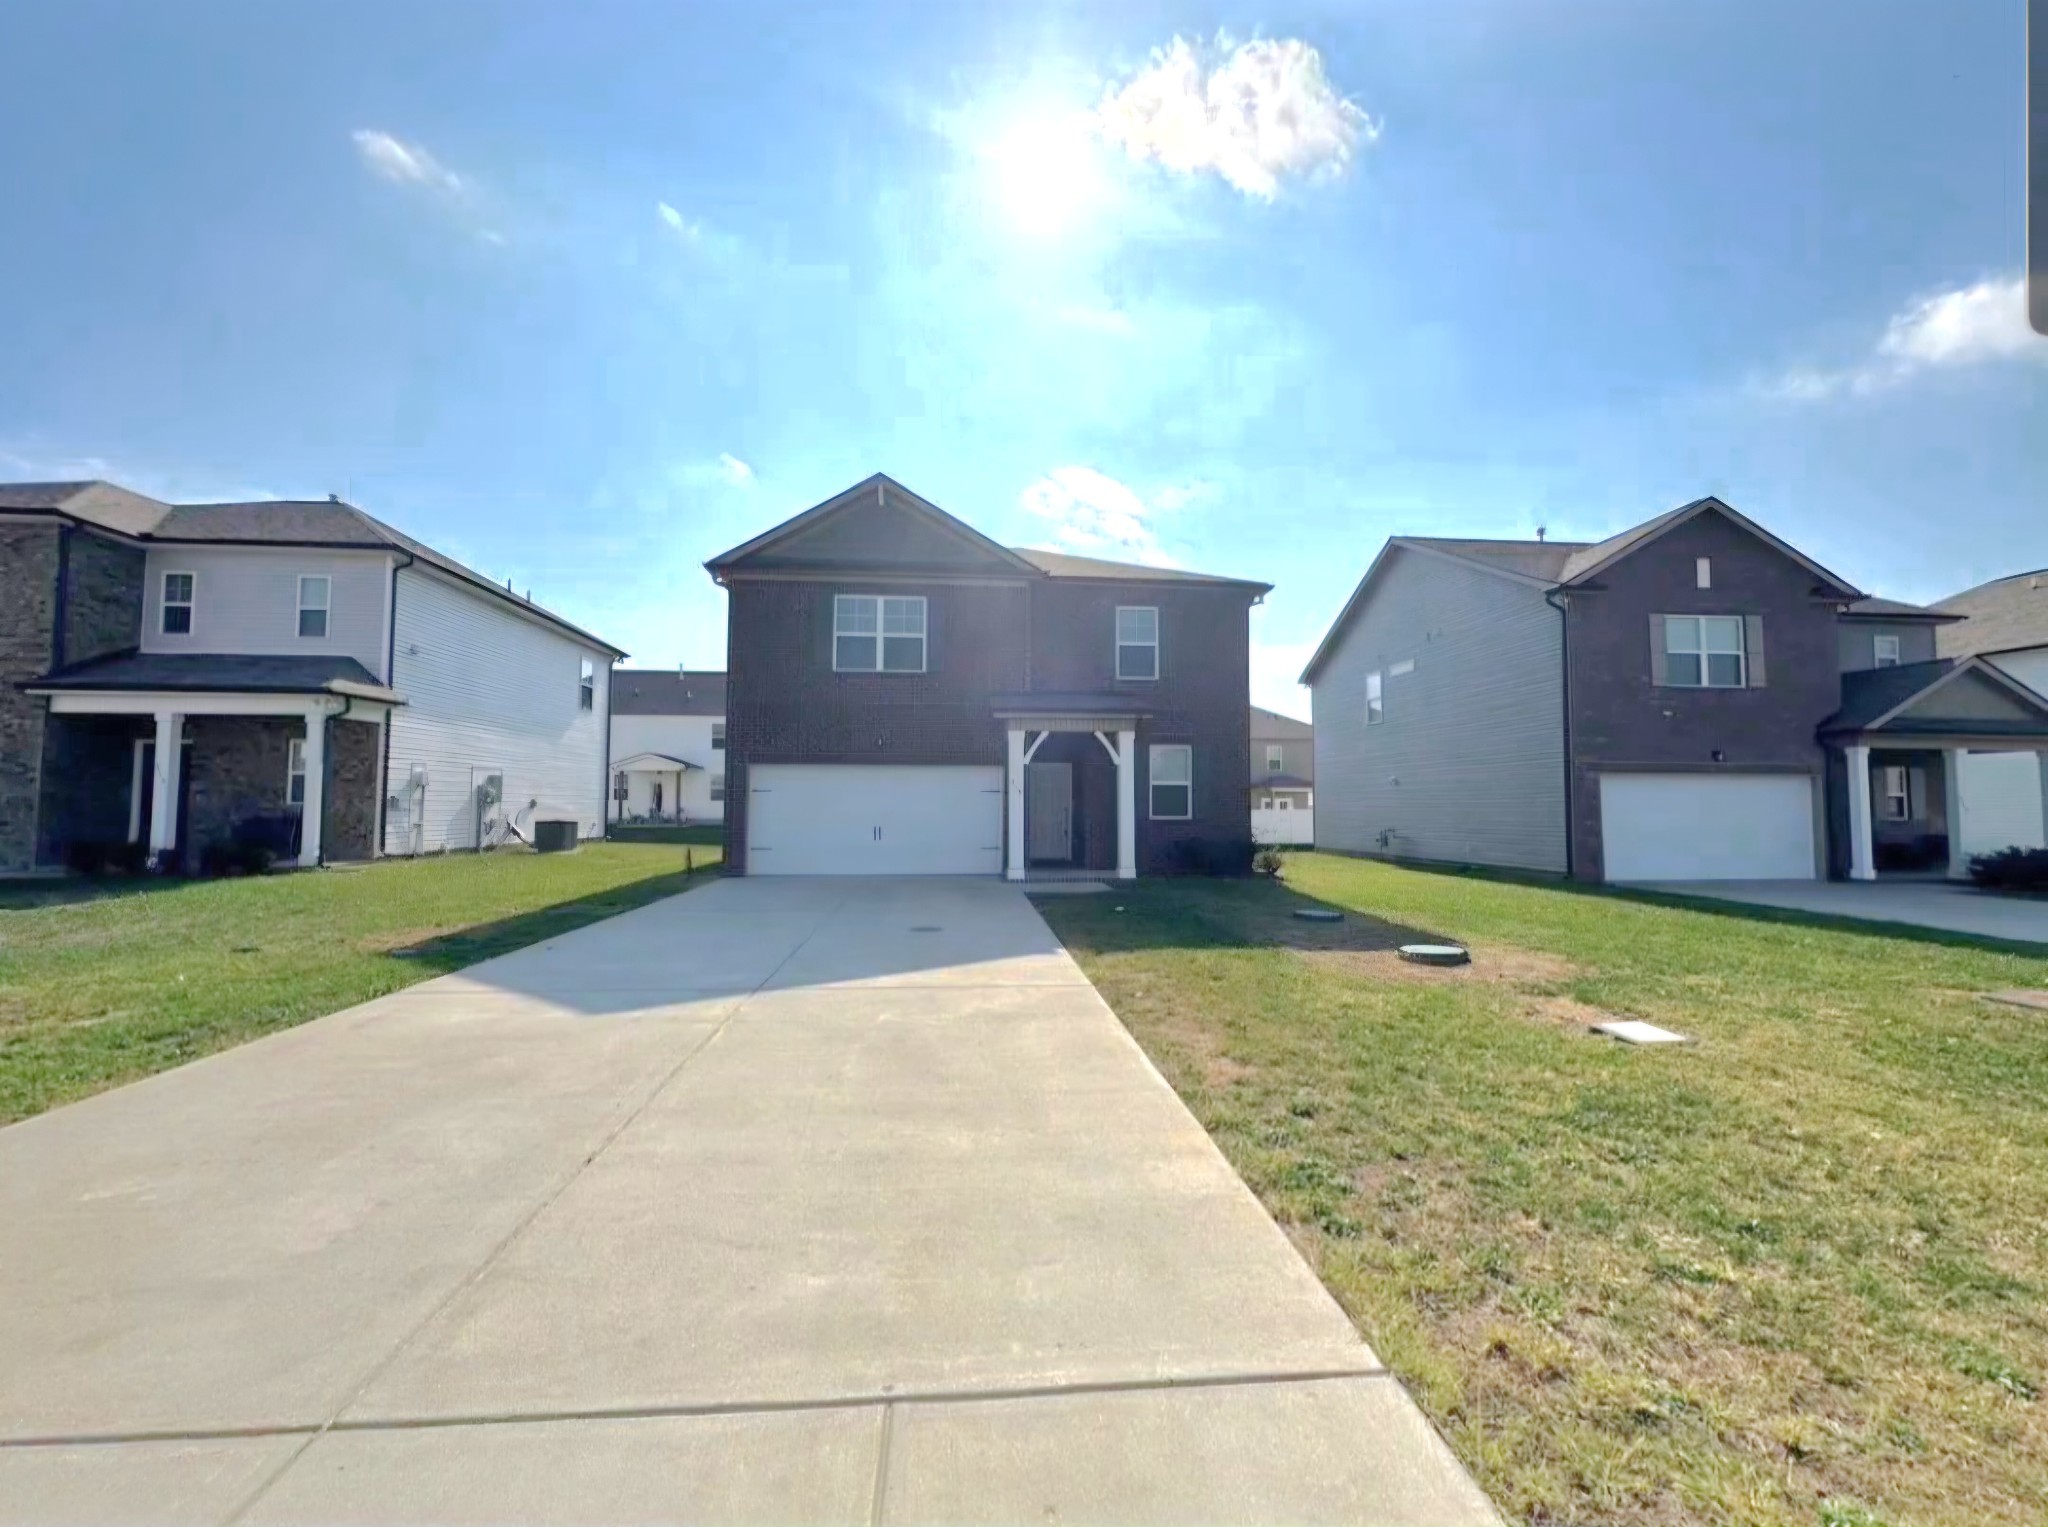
[(1013, 789), (1127, 805), (163, 807), (1862, 862), (1952, 808), (314, 810)]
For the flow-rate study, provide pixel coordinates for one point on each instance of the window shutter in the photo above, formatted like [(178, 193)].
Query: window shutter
[(1753, 648), (1660, 665)]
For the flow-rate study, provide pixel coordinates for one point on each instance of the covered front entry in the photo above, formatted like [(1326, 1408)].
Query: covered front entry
[(1071, 786)]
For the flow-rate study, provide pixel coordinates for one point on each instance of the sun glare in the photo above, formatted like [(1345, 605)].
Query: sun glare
[(1046, 174)]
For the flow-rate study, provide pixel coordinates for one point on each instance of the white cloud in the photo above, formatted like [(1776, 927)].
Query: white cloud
[(405, 163), (1094, 515), (734, 471), (683, 227), (1254, 113), (1275, 668), (1968, 326)]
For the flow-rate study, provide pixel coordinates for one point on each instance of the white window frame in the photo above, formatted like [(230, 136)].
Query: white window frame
[(1884, 649), (1276, 756), (1122, 642), (718, 736), (1375, 698), (1698, 624), (586, 685), (1903, 795), (165, 604), (1153, 781), (1703, 572), (325, 606), (295, 774), (844, 605)]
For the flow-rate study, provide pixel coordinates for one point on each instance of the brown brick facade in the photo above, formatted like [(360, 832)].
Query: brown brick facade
[(354, 758), (28, 609)]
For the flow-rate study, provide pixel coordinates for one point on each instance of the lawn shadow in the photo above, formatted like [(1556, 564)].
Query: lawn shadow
[(449, 952), (29, 894), (1251, 912), (703, 835), (1741, 911)]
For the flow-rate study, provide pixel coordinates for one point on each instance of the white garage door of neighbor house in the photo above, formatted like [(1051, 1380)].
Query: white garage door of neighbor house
[(1707, 826), (874, 819), (2002, 805)]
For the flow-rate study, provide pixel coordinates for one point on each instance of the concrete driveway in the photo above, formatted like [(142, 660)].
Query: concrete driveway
[(1934, 904), (782, 1201)]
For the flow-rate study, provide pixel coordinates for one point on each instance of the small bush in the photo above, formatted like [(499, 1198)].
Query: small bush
[(2012, 869), (1211, 856), (1269, 862), (108, 857)]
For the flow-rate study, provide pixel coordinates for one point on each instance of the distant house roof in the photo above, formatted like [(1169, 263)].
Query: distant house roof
[(667, 692), (2001, 616), (260, 522), (1531, 559), (212, 672), (1896, 609), (1060, 564), (1271, 726), (655, 763), (1281, 782)]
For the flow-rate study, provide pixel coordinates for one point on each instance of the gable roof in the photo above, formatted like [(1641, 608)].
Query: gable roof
[(655, 763), (1895, 609), (1271, 726), (327, 522), (1061, 564), (880, 490), (1584, 564), (1528, 559), (2000, 616), (667, 692), (1875, 698), (216, 672)]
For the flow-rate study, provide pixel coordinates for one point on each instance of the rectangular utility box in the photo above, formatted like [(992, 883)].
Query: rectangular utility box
[(554, 836)]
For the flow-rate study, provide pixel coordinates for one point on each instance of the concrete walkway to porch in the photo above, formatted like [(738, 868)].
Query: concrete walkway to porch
[(1940, 905), (778, 1201)]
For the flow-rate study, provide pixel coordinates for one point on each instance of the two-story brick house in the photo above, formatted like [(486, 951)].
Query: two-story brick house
[(171, 674), (906, 696), (1692, 699)]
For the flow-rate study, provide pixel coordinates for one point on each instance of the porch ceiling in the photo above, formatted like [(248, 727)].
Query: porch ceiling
[(1071, 711)]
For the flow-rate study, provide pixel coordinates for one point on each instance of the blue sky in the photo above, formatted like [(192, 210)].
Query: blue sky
[(586, 294)]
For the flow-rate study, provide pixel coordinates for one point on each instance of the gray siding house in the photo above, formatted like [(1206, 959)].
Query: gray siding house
[(1283, 762), (1692, 699)]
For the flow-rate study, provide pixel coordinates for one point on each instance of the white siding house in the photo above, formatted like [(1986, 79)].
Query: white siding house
[(490, 689), (697, 792), (2004, 796), (246, 599)]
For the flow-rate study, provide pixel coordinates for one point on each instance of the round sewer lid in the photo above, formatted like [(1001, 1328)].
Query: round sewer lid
[(1318, 915), (1434, 954)]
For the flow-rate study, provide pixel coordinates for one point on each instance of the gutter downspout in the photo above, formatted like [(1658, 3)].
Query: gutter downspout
[(390, 662), (604, 793), (1571, 772)]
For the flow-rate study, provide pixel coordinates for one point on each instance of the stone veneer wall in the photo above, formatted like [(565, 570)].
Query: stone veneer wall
[(238, 766), (354, 759), (28, 597)]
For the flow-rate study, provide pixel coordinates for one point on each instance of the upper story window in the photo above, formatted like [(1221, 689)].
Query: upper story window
[(314, 592), (1704, 652), (1171, 775), (1885, 649), (586, 686), (1274, 755), (718, 787), (1375, 699), (717, 736), (878, 633), (1137, 642), (177, 612)]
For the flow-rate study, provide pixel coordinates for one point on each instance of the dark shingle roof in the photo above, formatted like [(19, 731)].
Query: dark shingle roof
[(1868, 693), (2003, 614), (214, 672), (1601, 551), (1271, 726), (667, 692), (1060, 564), (38, 495), (1897, 609), (304, 522), (1532, 559)]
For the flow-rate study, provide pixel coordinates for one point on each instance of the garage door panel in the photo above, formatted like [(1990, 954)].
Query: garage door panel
[(874, 819), (1707, 826)]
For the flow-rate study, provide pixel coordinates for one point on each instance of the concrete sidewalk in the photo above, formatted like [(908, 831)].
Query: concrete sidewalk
[(779, 1201), (1932, 904)]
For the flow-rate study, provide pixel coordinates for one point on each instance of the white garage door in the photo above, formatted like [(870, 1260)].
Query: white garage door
[(1707, 826), (2001, 802), (874, 819)]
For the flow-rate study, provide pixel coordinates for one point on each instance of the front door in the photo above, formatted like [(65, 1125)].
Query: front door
[(1049, 834)]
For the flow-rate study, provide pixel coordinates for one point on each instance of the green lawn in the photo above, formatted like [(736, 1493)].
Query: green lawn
[(1793, 1274), (103, 983)]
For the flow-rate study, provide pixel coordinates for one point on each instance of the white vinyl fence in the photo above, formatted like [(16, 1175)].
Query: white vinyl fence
[(1283, 825)]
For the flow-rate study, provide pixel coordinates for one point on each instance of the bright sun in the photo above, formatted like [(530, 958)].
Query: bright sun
[(1046, 174)]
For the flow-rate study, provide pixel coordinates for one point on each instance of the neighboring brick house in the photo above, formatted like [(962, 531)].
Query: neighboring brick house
[(176, 675), (668, 745), (1690, 700), (906, 696)]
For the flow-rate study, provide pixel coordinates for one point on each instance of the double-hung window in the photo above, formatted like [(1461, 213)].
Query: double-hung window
[(295, 773), (314, 593), (1274, 755), (586, 686), (1137, 642), (1885, 649), (1704, 652), (1375, 699), (718, 736), (1171, 776), (878, 633), (1898, 794), (718, 787), (177, 612)]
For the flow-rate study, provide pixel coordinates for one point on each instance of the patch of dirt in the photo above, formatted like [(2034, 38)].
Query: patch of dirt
[(1506, 964)]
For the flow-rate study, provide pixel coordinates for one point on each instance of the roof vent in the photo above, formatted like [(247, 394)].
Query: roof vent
[(1542, 531)]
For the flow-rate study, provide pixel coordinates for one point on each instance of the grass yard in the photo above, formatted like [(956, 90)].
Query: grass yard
[(1796, 1274), (103, 983)]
